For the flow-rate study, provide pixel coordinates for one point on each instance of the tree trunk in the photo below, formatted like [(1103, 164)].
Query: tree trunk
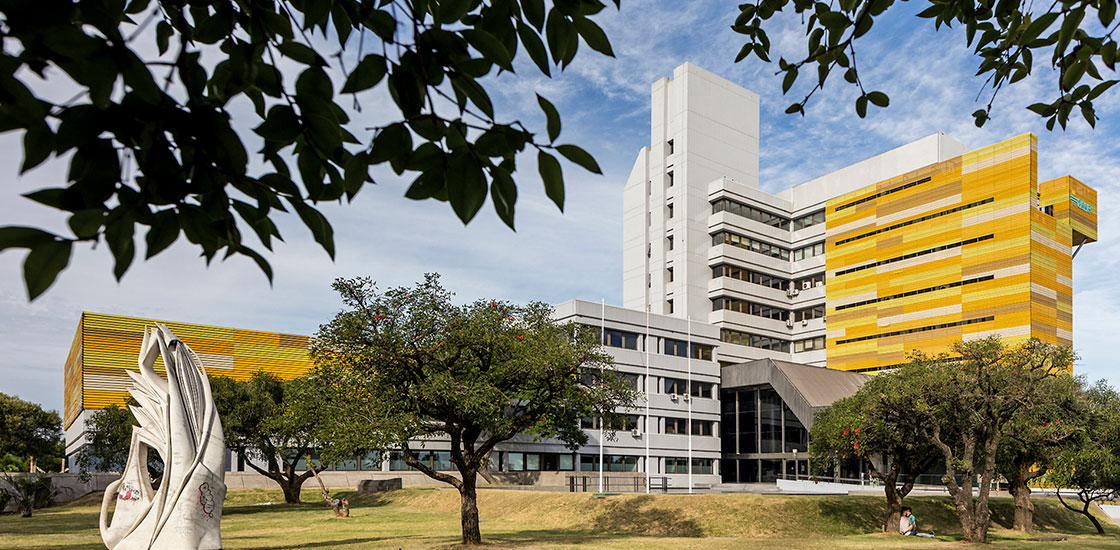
[(469, 508), (894, 508), (1024, 509)]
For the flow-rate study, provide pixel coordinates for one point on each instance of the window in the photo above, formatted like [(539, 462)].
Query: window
[(1048, 209), (815, 312), (701, 389), (669, 307), (620, 339), (810, 281), (809, 251), (675, 385), (437, 460), (677, 426), (372, 461), (809, 344), (669, 145), (676, 465), (669, 178), (747, 243), (701, 351), (669, 208), (702, 427), (669, 273), (631, 380), (758, 310), (702, 465), (953, 284), (675, 347), (616, 423), (670, 239)]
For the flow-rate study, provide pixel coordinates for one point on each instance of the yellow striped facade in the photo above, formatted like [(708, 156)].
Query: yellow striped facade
[(961, 249), (105, 346)]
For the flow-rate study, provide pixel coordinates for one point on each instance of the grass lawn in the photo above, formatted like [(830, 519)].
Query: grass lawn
[(429, 518)]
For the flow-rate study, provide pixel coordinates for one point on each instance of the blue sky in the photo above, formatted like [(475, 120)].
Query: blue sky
[(577, 254)]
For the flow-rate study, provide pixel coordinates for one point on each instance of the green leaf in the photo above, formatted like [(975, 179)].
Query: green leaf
[(301, 53), (163, 36), (559, 34), (475, 92), (980, 116), (490, 48), (260, 261), (504, 194), (38, 142), (534, 12), (534, 46), (594, 36), (1042, 109), (119, 235), (427, 185), (85, 223), (43, 264), (466, 186), (356, 173), (787, 82), (163, 230), (553, 178), (16, 236), (1106, 11), (1100, 89), (861, 106), (879, 99), (320, 228), (382, 23), (394, 141), (369, 72), (281, 125), (834, 21), (551, 116), (580, 157)]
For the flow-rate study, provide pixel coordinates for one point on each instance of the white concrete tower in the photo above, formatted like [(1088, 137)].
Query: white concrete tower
[(703, 128)]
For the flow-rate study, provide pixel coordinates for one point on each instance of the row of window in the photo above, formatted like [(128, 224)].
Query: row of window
[(916, 220), (916, 292), (680, 387), (770, 343), (679, 426), (768, 218), (815, 249), (913, 255), (740, 209), (880, 194), (762, 279), (769, 312), (757, 420), (917, 329), (629, 340), (680, 465), (679, 348), (536, 462), (767, 249)]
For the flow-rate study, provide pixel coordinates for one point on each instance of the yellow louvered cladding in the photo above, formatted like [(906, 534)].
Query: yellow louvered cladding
[(961, 249), (105, 346)]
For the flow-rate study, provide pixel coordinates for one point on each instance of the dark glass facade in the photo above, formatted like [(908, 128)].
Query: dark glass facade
[(762, 439)]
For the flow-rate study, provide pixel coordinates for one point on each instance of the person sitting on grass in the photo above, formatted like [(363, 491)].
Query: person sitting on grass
[(908, 525)]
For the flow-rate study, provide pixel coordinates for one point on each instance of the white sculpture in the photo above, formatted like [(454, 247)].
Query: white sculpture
[(179, 421)]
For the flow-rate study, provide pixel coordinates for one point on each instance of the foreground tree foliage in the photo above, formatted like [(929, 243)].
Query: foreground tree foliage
[(1037, 435), (1005, 36), (152, 148), (878, 427), (27, 430), (259, 427), (966, 406), (1091, 467), (405, 365)]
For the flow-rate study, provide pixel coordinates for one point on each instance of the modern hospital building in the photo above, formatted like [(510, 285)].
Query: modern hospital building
[(745, 312)]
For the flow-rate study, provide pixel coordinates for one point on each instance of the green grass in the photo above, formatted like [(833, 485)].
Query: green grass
[(429, 518)]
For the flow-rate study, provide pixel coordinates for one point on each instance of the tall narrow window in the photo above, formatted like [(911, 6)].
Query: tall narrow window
[(669, 271), (670, 146), (670, 207), (670, 242), (669, 176), (669, 306)]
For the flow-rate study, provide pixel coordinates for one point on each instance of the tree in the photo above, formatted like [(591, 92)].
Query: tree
[(1004, 35), (966, 405), (407, 365), (31, 491), (108, 440), (27, 430), (1036, 436), (1092, 465), (258, 427), (877, 422), (151, 142)]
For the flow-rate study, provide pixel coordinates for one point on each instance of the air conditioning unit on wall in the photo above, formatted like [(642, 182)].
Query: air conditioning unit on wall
[(636, 432), (789, 323)]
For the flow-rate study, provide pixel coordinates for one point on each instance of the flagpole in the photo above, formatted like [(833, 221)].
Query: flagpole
[(602, 341), (688, 350), (646, 426)]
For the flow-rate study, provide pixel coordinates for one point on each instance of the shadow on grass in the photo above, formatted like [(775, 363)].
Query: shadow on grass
[(638, 516), (341, 543)]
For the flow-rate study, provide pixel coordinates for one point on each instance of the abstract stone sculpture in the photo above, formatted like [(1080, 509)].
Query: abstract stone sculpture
[(178, 420)]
